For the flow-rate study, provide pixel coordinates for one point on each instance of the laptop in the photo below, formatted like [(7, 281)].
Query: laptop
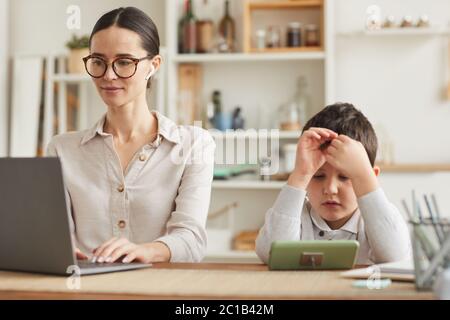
[(34, 221)]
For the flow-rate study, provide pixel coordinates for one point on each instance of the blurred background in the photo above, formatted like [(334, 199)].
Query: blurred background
[(252, 72)]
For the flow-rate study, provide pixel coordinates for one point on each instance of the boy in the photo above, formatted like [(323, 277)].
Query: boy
[(335, 170)]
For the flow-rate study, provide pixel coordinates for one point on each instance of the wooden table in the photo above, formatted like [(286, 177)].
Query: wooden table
[(322, 289)]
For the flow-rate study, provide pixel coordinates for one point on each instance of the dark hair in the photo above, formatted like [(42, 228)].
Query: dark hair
[(344, 118), (133, 19)]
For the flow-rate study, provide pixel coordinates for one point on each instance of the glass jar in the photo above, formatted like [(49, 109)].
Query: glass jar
[(312, 35), (260, 39), (205, 36), (273, 37), (294, 34), (290, 117)]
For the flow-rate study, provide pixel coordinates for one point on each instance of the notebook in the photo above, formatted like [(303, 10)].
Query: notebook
[(400, 271)]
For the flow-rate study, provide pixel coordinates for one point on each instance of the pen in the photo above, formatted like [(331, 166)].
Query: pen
[(433, 220)]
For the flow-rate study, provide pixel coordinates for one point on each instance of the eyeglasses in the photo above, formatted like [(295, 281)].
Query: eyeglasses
[(124, 68)]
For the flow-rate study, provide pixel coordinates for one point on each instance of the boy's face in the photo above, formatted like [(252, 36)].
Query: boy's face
[(332, 196)]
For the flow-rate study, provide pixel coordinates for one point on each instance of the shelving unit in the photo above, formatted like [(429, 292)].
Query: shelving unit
[(415, 168), (251, 6), (280, 62), (323, 55)]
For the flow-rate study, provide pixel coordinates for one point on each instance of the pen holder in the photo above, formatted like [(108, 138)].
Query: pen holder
[(431, 250)]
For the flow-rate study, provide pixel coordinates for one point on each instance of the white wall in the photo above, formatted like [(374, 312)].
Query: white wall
[(397, 81), (39, 27), (4, 70)]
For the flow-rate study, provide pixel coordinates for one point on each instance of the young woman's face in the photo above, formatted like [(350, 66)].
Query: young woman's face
[(331, 195), (110, 44)]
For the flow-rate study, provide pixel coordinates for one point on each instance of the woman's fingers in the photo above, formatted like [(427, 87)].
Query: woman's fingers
[(130, 257), (103, 246), (119, 252), (106, 252), (80, 255)]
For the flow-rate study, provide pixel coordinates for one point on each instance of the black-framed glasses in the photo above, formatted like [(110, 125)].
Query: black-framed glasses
[(124, 67)]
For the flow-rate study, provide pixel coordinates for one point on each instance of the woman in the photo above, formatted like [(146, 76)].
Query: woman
[(138, 184)]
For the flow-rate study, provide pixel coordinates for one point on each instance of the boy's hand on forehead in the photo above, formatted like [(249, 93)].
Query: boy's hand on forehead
[(310, 155), (348, 156)]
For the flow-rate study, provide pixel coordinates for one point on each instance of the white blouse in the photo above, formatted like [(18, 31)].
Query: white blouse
[(163, 196)]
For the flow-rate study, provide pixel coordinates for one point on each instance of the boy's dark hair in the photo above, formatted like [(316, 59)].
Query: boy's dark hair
[(344, 118)]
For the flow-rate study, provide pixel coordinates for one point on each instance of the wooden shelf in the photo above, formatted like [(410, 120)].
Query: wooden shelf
[(254, 135), (430, 31), (249, 184), (286, 49), (414, 168), (249, 57), (251, 6), (277, 185), (274, 5)]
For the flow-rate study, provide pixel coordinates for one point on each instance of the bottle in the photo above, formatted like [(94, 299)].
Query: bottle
[(260, 39), (294, 113), (205, 34), (217, 102), (238, 121), (312, 35), (212, 108), (294, 34), (181, 31), (221, 120), (208, 115), (303, 100), (189, 29), (227, 31), (273, 37)]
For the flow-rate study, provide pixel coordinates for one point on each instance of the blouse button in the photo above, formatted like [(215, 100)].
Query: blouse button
[(321, 233), (121, 188), (122, 224), (142, 157)]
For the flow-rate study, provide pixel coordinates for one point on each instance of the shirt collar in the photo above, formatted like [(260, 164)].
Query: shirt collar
[(166, 128), (350, 226)]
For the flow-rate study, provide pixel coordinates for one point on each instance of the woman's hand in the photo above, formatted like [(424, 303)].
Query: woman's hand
[(80, 255), (122, 250)]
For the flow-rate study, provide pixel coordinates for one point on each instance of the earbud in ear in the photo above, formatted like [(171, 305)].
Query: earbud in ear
[(151, 73)]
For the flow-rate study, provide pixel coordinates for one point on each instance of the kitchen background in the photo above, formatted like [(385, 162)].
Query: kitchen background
[(398, 76)]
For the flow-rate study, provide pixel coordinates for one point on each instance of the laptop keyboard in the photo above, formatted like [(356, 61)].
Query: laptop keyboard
[(87, 264)]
